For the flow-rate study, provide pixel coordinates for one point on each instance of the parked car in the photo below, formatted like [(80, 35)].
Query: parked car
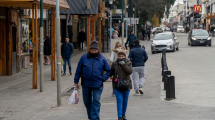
[(166, 40), (157, 30), (180, 29), (199, 37)]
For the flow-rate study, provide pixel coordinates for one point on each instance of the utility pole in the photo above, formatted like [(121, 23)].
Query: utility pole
[(59, 102), (123, 5), (130, 9), (41, 45)]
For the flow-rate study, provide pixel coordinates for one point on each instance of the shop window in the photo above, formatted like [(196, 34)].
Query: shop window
[(25, 36)]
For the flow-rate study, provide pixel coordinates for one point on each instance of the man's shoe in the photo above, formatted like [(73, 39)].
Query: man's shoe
[(124, 117), (70, 73), (136, 93), (120, 118), (64, 75), (141, 90)]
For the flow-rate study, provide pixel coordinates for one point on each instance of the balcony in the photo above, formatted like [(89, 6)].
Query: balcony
[(211, 15), (204, 1)]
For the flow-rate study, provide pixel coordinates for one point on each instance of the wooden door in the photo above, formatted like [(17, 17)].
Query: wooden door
[(2, 47)]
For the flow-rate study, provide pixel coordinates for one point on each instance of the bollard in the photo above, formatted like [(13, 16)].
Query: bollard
[(170, 88), (164, 79)]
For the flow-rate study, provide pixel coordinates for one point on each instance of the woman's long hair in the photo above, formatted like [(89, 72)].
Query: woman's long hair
[(117, 45)]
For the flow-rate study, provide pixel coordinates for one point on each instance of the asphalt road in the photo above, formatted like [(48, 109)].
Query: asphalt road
[(194, 71)]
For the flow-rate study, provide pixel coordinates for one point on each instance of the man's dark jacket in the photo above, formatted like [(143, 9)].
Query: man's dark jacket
[(138, 56), (81, 37), (66, 50)]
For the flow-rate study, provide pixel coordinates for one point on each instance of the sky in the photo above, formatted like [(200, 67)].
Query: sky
[(178, 1)]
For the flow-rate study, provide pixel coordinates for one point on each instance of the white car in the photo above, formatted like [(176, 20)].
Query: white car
[(166, 40)]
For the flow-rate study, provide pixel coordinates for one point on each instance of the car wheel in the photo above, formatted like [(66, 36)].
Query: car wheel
[(191, 44), (153, 52), (173, 49), (209, 45), (177, 48)]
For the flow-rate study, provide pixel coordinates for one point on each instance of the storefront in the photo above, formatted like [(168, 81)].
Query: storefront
[(2, 41)]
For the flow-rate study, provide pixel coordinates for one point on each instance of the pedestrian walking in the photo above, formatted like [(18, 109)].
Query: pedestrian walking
[(131, 39), (66, 52), (143, 32), (121, 69), (114, 52), (47, 50), (115, 33), (212, 30), (90, 69), (138, 57), (81, 39), (148, 32)]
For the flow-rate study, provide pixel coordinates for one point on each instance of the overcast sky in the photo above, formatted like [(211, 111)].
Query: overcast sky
[(178, 1)]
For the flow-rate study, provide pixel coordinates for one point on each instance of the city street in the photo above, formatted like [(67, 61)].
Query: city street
[(191, 66)]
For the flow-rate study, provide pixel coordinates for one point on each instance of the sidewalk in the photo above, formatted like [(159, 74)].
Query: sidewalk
[(19, 102)]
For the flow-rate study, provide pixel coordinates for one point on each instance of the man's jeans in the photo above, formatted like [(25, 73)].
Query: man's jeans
[(212, 32), (69, 63), (91, 98)]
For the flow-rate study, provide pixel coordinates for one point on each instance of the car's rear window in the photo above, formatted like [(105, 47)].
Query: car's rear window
[(163, 37), (200, 33)]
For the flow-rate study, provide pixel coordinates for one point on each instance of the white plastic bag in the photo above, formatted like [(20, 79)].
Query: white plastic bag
[(74, 97)]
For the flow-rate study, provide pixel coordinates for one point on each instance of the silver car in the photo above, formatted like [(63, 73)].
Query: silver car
[(166, 40)]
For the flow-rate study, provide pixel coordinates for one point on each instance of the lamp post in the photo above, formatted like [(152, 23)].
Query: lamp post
[(110, 2), (123, 6), (127, 21), (133, 18)]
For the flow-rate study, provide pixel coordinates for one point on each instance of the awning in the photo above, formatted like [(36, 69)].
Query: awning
[(79, 7), (27, 4)]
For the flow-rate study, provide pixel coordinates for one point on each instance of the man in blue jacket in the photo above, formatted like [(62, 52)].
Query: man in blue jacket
[(66, 52), (131, 39), (138, 57), (90, 68)]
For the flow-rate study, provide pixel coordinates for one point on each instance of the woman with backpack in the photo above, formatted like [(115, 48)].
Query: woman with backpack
[(121, 70)]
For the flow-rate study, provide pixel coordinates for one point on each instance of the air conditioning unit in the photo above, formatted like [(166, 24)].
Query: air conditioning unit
[(24, 12)]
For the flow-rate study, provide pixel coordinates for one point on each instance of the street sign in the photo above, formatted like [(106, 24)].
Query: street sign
[(197, 8), (132, 20)]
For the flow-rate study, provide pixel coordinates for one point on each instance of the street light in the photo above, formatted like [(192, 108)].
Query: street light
[(127, 6), (110, 2), (133, 18)]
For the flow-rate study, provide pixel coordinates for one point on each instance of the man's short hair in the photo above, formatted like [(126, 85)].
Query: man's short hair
[(67, 37), (131, 31), (136, 42)]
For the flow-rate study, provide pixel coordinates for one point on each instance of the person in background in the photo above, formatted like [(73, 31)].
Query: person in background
[(66, 52), (148, 32), (138, 57), (143, 32), (110, 31), (114, 55), (81, 39), (47, 50), (212, 30), (90, 69), (131, 39), (115, 34), (122, 68)]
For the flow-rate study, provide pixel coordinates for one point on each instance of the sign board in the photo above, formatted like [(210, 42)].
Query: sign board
[(132, 20), (197, 8)]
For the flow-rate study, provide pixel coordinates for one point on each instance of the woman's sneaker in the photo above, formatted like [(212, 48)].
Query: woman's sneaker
[(136, 93), (141, 90)]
